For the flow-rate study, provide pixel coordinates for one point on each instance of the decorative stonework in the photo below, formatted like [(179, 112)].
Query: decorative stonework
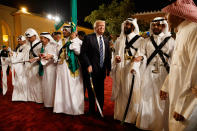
[(148, 16)]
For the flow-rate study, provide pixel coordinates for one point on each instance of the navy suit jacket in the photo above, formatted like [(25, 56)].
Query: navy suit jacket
[(90, 54)]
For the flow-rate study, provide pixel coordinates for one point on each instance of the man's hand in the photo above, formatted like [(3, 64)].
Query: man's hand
[(33, 60), (41, 55), (73, 35), (111, 44), (118, 59), (89, 69), (138, 59), (178, 117), (163, 95), (194, 91), (10, 53), (133, 71), (48, 56)]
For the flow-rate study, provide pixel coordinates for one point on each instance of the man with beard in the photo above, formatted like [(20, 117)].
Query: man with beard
[(181, 85), (157, 51), (125, 51), (69, 96)]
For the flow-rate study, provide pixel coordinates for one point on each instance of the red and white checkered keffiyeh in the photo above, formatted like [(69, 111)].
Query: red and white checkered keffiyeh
[(183, 8)]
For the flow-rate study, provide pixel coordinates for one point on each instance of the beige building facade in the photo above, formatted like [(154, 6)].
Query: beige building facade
[(14, 22)]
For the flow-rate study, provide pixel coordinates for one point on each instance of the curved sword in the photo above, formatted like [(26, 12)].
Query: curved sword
[(97, 103)]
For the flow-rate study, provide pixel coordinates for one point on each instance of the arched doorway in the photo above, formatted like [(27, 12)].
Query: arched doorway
[(6, 34)]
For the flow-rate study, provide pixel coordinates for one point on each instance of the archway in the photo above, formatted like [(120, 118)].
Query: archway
[(6, 34)]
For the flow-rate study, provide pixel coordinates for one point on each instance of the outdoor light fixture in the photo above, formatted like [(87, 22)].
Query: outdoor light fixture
[(49, 16), (55, 18), (24, 10)]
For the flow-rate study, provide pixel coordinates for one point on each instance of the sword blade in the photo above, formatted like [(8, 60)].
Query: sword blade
[(19, 62), (97, 103)]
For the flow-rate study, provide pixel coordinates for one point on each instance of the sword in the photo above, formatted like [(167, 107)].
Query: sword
[(130, 93), (129, 100), (20, 62), (36, 58), (97, 103)]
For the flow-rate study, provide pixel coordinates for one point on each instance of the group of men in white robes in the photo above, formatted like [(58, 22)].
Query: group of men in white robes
[(162, 95), (154, 79), (47, 72), (139, 69)]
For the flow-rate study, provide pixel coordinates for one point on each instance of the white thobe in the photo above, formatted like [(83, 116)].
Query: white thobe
[(59, 42), (153, 110), (183, 76), (122, 81), (19, 77), (5, 61), (49, 77), (69, 95), (33, 78)]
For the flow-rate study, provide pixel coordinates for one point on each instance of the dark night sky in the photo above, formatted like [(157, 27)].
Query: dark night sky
[(85, 7)]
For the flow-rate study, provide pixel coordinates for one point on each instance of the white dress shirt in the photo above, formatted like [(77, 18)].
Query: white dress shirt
[(98, 39)]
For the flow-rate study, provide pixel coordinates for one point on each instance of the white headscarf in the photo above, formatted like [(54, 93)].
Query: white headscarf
[(161, 20), (48, 36), (21, 37), (67, 27), (31, 32), (132, 21), (121, 40)]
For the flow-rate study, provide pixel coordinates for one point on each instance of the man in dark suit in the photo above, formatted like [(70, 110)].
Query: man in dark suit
[(95, 54)]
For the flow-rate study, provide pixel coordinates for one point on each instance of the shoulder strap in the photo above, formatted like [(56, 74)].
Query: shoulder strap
[(20, 50), (130, 44), (17, 47), (32, 47), (159, 51), (162, 44), (35, 45), (132, 41), (64, 46)]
